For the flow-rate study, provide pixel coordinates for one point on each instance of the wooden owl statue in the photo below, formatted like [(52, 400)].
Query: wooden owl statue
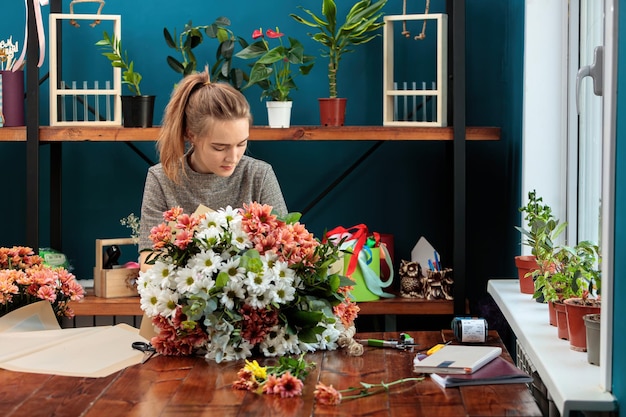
[(411, 280)]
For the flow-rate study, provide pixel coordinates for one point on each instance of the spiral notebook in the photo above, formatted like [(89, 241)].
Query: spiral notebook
[(456, 359)]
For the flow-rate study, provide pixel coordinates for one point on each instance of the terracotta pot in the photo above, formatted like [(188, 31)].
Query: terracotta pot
[(332, 111), (592, 324), (525, 264), (552, 313), (561, 321), (575, 324)]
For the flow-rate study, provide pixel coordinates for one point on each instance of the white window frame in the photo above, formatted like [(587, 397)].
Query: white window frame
[(549, 96)]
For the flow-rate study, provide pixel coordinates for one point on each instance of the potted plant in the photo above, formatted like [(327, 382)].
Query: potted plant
[(137, 109), (192, 36), (541, 231), (272, 71), (358, 28), (580, 270)]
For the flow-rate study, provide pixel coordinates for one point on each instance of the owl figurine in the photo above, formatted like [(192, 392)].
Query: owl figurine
[(411, 280)]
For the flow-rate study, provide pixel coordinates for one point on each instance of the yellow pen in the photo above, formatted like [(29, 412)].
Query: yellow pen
[(436, 348)]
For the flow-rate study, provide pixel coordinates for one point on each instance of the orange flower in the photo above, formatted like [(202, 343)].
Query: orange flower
[(326, 394)]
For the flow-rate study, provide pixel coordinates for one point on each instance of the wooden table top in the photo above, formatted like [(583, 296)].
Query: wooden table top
[(191, 386)]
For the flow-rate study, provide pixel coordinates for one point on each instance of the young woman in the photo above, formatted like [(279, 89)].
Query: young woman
[(201, 145)]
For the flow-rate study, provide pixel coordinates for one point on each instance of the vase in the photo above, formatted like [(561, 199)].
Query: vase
[(561, 321), (12, 98), (592, 325), (137, 111), (332, 111), (576, 309), (279, 113), (525, 264)]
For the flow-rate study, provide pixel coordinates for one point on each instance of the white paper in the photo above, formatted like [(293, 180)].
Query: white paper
[(31, 341)]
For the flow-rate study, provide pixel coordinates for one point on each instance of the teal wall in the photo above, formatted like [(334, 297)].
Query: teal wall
[(619, 309), (402, 189)]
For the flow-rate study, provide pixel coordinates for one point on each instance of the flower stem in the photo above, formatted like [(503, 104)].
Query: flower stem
[(365, 388)]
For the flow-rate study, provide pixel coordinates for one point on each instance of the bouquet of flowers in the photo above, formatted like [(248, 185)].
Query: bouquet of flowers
[(233, 281), (24, 279)]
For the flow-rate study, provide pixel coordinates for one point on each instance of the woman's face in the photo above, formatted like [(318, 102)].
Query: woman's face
[(221, 150)]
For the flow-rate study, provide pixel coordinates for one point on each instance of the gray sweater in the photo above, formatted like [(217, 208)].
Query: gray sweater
[(252, 181)]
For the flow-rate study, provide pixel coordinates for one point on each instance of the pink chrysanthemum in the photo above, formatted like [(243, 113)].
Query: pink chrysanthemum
[(326, 394), (288, 386)]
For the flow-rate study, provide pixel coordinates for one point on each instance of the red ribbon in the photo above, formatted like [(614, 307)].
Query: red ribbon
[(358, 233)]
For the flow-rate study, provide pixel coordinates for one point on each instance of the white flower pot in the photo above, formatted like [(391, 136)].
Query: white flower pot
[(278, 113)]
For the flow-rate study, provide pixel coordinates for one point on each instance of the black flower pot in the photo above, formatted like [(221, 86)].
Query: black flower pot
[(137, 111)]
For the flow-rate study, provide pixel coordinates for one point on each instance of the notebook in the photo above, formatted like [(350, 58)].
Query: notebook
[(498, 371), (456, 359)]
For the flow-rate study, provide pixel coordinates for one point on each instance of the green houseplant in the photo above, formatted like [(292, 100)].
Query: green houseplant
[(359, 27), (137, 109), (272, 71), (541, 231), (192, 36)]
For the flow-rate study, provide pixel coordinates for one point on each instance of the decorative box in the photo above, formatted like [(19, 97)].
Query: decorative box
[(116, 281)]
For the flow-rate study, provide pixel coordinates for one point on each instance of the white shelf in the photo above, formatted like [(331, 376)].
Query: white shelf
[(572, 382)]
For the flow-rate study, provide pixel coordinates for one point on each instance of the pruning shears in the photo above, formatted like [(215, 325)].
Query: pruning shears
[(406, 342)]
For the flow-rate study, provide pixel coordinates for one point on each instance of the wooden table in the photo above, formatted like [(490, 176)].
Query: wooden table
[(191, 386)]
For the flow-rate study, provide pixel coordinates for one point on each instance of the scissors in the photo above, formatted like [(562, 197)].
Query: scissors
[(147, 349)]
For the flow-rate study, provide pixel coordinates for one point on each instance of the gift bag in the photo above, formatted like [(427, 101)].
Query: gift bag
[(361, 261)]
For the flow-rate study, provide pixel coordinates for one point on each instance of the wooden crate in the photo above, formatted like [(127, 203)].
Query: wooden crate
[(116, 282)]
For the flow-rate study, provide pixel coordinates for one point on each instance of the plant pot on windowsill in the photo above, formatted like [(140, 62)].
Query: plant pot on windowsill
[(592, 325), (525, 265), (576, 308), (137, 111)]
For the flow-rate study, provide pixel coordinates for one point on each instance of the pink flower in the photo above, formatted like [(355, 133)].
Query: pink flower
[(288, 386), (257, 34), (160, 235), (47, 293), (326, 394), (172, 214)]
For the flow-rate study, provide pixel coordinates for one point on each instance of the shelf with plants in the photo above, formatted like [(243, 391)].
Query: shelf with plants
[(458, 134), (261, 133)]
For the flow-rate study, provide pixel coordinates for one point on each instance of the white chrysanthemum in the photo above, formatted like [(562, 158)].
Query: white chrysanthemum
[(328, 339), (145, 280), (149, 300), (260, 301), (204, 284), (232, 216), (257, 284), (214, 220), (240, 239), (207, 262), (167, 302), (187, 280), (283, 272), (232, 268), (163, 274), (269, 259), (284, 291), (232, 291), (278, 343)]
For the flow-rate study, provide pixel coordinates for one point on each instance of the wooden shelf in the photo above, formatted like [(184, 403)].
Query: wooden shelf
[(406, 306), (129, 306), (261, 133)]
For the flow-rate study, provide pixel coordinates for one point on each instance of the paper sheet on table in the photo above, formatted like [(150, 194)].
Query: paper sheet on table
[(31, 341)]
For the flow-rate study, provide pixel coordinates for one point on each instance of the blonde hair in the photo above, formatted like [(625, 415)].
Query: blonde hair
[(196, 103)]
